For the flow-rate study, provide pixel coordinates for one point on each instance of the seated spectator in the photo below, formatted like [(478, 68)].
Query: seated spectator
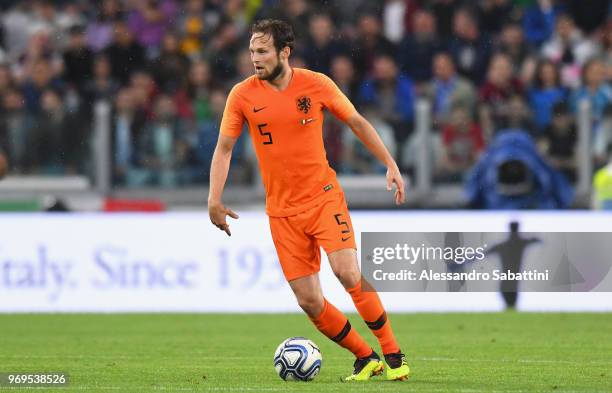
[(448, 90), (462, 143), (558, 144), (496, 92), (545, 92), (569, 49), (389, 96), (595, 89), (470, 48), (417, 50)]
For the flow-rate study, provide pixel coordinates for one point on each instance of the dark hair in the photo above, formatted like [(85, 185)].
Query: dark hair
[(279, 30), (537, 80)]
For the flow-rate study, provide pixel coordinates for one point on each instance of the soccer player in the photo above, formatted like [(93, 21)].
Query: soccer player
[(283, 108)]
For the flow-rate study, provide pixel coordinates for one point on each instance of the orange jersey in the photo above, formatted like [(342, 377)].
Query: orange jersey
[(286, 131)]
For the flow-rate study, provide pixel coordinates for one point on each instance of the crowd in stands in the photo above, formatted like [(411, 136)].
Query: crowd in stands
[(166, 66)]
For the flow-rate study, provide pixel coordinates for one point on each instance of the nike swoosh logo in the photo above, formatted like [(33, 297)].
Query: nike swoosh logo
[(306, 121), (345, 239), (259, 109)]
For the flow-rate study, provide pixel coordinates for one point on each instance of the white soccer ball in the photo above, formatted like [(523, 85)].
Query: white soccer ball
[(297, 359)]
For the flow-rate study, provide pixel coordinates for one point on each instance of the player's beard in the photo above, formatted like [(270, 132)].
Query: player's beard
[(276, 71)]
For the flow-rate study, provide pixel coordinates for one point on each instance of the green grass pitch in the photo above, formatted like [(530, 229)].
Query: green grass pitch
[(470, 353)]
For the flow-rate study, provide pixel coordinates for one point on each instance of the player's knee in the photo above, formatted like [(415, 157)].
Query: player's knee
[(348, 277), (311, 304)]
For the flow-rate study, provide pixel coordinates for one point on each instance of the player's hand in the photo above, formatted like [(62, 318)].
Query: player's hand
[(218, 213), (395, 177)]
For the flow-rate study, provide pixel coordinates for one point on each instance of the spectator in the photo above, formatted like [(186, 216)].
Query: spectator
[(144, 91), (42, 78), (125, 55), (512, 43), (369, 43), (78, 59), (99, 33), (515, 115), (569, 49), (462, 143), (417, 50), (558, 144), (344, 75), (196, 24), (127, 123), (148, 23), (221, 51), (15, 131), (594, 88), (545, 92), (59, 138), (470, 48), (539, 21), (389, 96), (161, 148), (102, 86), (448, 90), (496, 92), (322, 44), (193, 101), (171, 67)]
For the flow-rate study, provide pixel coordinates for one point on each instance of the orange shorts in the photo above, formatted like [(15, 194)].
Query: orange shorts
[(298, 238)]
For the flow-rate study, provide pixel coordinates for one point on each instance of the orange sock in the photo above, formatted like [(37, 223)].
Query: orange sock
[(332, 323), (370, 308)]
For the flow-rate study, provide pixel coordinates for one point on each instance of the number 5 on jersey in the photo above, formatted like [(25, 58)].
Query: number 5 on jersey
[(265, 134)]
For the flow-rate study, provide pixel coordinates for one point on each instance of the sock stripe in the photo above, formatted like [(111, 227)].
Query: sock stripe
[(343, 333), (379, 323)]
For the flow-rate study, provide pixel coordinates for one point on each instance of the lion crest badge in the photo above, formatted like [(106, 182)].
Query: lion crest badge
[(303, 104)]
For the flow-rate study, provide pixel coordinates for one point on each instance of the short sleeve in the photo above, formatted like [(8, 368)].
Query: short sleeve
[(335, 100), (233, 119)]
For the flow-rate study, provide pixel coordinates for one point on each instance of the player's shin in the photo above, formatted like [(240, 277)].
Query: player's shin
[(334, 324), (370, 308)]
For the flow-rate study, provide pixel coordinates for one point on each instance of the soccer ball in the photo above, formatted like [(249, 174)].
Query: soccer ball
[(297, 359)]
